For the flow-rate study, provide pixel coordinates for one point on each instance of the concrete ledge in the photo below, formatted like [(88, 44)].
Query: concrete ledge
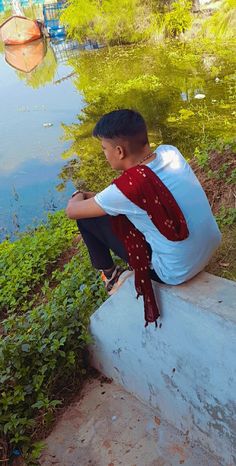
[(186, 369)]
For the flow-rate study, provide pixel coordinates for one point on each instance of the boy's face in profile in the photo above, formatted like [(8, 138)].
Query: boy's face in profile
[(114, 153)]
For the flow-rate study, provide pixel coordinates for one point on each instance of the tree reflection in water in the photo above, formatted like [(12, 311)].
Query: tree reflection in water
[(160, 82)]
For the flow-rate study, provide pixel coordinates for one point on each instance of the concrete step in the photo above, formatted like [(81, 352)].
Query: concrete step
[(185, 368), (108, 426)]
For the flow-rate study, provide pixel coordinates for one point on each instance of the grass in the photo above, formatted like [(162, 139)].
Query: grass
[(217, 173)]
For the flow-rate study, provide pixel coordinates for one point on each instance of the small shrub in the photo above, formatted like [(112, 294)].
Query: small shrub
[(179, 19), (202, 157)]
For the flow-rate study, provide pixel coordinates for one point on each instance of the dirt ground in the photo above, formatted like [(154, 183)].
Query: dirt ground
[(107, 426)]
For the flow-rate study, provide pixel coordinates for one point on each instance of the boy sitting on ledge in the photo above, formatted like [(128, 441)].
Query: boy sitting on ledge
[(155, 215)]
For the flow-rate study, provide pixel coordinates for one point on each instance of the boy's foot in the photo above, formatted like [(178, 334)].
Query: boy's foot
[(117, 278)]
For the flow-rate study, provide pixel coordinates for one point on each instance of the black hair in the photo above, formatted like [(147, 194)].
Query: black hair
[(125, 124)]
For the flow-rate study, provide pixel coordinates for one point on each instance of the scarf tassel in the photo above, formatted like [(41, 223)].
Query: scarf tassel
[(146, 324)]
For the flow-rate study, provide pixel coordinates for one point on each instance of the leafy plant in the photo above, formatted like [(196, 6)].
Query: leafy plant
[(41, 353), (226, 217), (232, 177), (201, 156), (24, 263), (179, 19), (222, 23)]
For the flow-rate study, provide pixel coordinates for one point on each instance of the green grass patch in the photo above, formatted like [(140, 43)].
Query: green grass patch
[(25, 262), (223, 262), (42, 349), (215, 166)]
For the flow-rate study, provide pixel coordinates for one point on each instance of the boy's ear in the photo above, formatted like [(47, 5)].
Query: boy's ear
[(121, 152)]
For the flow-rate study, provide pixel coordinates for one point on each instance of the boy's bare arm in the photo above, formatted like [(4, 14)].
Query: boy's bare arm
[(81, 207)]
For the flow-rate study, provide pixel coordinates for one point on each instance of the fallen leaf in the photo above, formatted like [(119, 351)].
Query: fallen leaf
[(157, 420)]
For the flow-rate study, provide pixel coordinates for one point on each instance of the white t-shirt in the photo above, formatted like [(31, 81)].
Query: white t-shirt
[(174, 261)]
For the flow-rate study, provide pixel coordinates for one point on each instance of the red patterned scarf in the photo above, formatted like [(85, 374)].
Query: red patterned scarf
[(143, 187)]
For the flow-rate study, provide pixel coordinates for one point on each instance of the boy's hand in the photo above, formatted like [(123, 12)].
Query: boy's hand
[(77, 196), (83, 205), (88, 194)]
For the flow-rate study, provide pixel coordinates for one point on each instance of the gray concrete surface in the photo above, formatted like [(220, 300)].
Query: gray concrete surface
[(107, 426), (187, 367)]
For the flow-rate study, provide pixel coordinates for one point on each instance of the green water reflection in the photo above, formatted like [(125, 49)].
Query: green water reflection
[(186, 92)]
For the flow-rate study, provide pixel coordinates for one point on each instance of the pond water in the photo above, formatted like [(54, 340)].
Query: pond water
[(33, 107), (186, 92)]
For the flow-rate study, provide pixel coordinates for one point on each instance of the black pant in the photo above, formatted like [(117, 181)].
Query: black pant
[(99, 238)]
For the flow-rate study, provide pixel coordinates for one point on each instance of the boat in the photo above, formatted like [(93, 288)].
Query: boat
[(18, 30), (26, 57)]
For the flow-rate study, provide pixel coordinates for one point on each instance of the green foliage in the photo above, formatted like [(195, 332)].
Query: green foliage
[(42, 349), (92, 171), (80, 18), (24, 263), (232, 178), (157, 79), (217, 159), (179, 19), (4, 15), (226, 217), (124, 22), (110, 21), (202, 156), (1, 47), (33, 11), (222, 24), (223, 262)]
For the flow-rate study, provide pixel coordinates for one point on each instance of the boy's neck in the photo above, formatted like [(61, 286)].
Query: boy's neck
[(136, 159)]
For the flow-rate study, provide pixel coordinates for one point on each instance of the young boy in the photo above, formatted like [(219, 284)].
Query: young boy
[(155, 215)]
